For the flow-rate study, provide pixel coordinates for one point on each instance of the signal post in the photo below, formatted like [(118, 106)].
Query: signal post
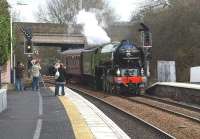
[(146, 42), (28, 47)]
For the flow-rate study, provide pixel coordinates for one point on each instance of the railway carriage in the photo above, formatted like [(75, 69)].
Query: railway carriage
[(72, 60)]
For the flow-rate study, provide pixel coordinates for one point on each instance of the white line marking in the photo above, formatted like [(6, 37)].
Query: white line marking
[(38, 129), (39, 121), (40, 112)]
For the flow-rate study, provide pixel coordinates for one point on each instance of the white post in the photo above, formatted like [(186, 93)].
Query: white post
[(11, 45), (14, 73), (11, 37)]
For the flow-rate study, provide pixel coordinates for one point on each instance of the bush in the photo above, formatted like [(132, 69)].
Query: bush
[(4, 32)]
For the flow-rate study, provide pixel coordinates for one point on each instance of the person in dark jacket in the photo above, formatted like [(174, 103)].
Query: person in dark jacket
[(19, 70), (60, 81)]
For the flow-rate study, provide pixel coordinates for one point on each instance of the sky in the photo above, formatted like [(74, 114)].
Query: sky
[(124, 8), (27, 12)]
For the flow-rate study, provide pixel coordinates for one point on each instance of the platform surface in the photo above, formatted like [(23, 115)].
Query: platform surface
[(178, 84), (34, 115), (41, 115)]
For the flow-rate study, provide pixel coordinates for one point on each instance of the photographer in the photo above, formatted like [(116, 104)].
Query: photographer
[(60, 78), (19, 69), (35, 74)]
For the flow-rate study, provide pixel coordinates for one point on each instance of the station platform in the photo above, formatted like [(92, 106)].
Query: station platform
[(41, 115), (182, 92)]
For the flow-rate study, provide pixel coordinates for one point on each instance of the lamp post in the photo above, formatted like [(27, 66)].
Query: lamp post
[(12, 62), (11, 47)]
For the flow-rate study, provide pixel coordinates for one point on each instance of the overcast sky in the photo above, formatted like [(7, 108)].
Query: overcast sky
[(122, 7)]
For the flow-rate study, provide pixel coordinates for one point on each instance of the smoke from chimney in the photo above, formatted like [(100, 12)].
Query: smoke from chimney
[(94, 33)]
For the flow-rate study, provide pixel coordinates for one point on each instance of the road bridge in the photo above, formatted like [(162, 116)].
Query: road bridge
[(48, 34)]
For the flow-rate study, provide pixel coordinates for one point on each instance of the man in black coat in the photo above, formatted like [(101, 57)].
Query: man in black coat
[(60, 81), (19, 70)]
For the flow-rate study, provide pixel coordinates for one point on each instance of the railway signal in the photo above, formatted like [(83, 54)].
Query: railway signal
[(28, 47), (146, 36), (147, 42)]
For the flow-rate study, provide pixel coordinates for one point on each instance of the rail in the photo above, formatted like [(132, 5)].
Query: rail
[(156, 130)]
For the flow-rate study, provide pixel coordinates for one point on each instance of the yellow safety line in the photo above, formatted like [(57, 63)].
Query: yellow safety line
[(79, 126)]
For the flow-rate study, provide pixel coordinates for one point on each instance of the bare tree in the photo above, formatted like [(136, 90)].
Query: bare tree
[(64, 11), (59, 11), (42, 16), (104, 13), (97, 4)]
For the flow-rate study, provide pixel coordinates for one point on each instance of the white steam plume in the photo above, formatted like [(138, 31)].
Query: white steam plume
[(95, 34)]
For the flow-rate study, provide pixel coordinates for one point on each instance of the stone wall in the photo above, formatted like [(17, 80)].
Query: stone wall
[(5, 73), (182, 92)]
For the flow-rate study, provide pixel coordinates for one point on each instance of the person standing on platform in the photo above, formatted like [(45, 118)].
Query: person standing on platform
[(60, 79), (29, 65), (19, 69), (35, 75)]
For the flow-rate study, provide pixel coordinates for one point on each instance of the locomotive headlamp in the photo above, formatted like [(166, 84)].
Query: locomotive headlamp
[(118, 72), (142, 71)]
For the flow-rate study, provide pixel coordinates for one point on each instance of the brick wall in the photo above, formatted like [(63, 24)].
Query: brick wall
[(5, 74)]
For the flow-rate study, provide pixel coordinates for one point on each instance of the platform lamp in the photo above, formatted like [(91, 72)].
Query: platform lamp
[(12, 62)]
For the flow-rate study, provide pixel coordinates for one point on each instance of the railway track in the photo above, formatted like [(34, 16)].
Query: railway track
[(185, 111), (148, 129), (171, 102)]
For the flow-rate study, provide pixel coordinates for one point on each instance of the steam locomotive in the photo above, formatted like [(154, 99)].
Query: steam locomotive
[(116, 67)]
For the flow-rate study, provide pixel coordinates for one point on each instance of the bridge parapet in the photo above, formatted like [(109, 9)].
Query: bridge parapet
[(50, 28), (51, 34), (54, 39)]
